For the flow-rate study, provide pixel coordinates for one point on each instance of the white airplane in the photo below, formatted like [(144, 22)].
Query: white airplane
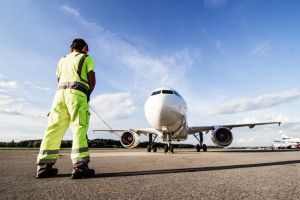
[(286, 142), (166, 112)]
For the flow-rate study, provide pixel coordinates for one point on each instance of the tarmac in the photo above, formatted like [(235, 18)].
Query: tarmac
[(186, 174)]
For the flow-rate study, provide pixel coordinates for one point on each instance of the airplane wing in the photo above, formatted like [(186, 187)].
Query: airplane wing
[(144, 131), (206, 129)]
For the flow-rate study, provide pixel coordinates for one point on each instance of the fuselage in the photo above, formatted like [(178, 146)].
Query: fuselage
[(166, 110), (287, 145), (286, 139), (286, 142)]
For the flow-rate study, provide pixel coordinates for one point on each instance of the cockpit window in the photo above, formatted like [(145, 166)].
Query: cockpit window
[(167, 92), (176, 93), (155, 93)]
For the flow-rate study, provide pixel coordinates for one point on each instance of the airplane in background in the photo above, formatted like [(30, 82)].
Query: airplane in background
[(166, 112), (286, 142)]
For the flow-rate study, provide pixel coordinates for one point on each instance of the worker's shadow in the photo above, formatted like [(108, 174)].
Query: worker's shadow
[(187, 170), (196, 169)]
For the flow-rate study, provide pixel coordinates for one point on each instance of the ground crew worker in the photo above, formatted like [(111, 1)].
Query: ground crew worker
[(76, 81)]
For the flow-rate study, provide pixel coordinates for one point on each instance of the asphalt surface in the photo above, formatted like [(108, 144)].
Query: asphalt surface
[(141, 175)]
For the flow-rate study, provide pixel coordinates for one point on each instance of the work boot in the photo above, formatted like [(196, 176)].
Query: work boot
[(82, 170), (46, 171)]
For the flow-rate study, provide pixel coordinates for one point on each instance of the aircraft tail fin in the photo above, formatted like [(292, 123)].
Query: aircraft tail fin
[(284, 136)]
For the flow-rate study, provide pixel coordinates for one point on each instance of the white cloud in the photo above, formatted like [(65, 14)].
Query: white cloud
[(214, 3), (7, 85), (140, 71), (5, 100), (265, 118), (37, 87), (2, 76), (260, 102), (292, 127), (16, 106), (76, 14), (262, 48), (71, 10), (114, 105), (19, 120), (168, 70), (10, 105), (21, 127)]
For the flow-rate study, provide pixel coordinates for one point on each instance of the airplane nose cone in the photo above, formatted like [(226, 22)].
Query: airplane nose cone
[(164, 110), (152, 111)]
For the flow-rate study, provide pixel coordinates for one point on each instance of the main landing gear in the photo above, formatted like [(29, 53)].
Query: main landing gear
[(200, 145), (168, 147), (152, 145)]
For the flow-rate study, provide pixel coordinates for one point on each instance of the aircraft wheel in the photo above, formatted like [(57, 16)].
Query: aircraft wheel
[(154, 149), (198, 147), (166, 149), (204, 147), (149, 148), (171, 148)]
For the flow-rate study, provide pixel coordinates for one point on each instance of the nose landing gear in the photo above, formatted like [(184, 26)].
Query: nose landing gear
[(169, 146)]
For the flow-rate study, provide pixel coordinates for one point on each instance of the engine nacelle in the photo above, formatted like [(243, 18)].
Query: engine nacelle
[(130, 139), (222, 137)]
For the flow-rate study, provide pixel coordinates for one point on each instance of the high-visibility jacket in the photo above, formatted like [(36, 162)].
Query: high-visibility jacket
[(70, 107), (72, 71)]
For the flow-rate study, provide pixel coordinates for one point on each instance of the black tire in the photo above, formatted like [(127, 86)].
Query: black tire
[(171, 148), (204, 147), (166, 149), (198, 147), (154, 149), (149, 149)]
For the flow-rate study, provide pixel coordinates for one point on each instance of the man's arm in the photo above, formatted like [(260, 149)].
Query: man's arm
[(92, 80)]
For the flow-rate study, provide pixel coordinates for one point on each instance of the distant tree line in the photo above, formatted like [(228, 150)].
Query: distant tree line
[(25, 143), (96, 143)]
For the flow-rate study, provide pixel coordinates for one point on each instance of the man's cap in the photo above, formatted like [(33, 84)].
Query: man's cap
[(78, 44)]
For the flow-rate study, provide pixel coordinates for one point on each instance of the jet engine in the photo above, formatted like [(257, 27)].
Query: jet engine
[(130, 139), (222, 137)]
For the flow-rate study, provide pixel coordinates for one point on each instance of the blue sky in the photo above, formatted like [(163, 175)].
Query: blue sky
[(233, 62)]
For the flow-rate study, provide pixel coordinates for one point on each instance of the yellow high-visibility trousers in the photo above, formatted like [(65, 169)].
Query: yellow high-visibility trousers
[(70, 107)]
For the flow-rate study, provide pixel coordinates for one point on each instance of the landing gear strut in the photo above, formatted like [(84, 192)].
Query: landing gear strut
[(152, 144), (166, 148), (169, 146), (200, 145)]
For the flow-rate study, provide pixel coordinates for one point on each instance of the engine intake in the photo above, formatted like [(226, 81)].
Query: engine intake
[(130, 139), (222, 137)]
